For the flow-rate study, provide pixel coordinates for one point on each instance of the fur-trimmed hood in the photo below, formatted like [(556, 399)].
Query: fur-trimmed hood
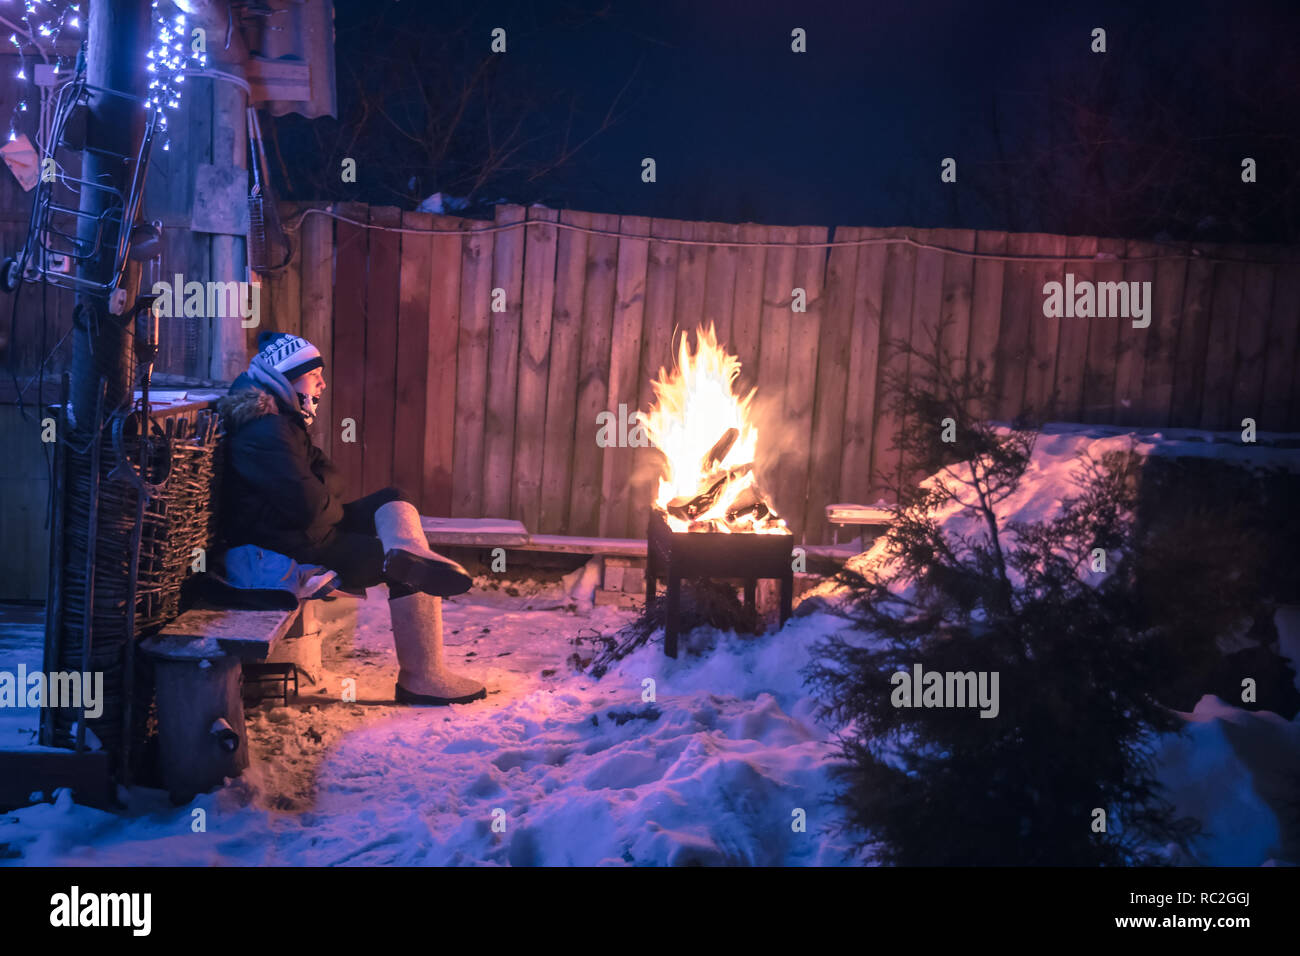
[(245, 402)]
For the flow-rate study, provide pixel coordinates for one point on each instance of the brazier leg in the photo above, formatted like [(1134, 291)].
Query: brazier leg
[(670, 614)]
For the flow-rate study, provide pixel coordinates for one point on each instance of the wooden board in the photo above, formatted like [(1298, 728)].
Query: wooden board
[(986, 311), (720, 286), (856, 470), (498, 532), (1282, 363), (1072, 343), (316, 267), (801, 382), (773, 365), (411, 400), (692, 277), (593, 376), (445, 258), (472, 372), (1193, 341), (1221, 354), (1041, 394), (747, 309), (895, 332), (572, 544), (1252, 338), (1130, 366), (1162, 336), (624, 373), (383, 275), (503, 362), (958, 291), (203, 633), (534, 361), (1019, 303), (562, 380), (1103, 340), (831, 382), (350, 288), (927, 311), (657, 352)]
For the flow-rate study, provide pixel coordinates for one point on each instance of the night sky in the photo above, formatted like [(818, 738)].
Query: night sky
[(852, 132)]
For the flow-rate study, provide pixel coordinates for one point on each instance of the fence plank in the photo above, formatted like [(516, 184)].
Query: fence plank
[(720, 291), (1130, 363), (830, 385), (1193, 343), (1221, 355), (958, 291), (927, 311), (382, 277), (747, 310), (801, 377), (1162, 336), (857, 469), (472, 374), (1103, 340), (1013, 332), (562, 380), (1282, 365), (1072, 343), (656, 352), (986, 310), (350, 290), (692, 277), (503, 364), (593, 377), (316, 264), (446, 257), (1252, 337), (1041, 396), (895, 331), (534, 365), (773, 363), (413, 357), (619, 508)]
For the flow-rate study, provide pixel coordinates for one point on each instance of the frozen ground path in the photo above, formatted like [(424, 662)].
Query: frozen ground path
[(570, 770)]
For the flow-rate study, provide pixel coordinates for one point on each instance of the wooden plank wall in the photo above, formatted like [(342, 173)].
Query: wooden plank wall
[(484, 404), (487, 405)]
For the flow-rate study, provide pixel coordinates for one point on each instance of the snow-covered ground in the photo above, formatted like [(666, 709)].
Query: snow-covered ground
[(574, 770)]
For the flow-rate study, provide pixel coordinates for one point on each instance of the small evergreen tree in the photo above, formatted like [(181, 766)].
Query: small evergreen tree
[(1076, 718)]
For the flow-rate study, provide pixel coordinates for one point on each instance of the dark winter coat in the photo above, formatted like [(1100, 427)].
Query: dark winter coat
[(279, 491)]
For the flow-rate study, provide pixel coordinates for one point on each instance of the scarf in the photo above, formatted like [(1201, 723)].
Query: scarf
[(265, 374)]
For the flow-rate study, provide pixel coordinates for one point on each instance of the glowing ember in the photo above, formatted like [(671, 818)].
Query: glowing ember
[(702, 427)]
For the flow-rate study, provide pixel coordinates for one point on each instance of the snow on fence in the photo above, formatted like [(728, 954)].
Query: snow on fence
[(485, 413)]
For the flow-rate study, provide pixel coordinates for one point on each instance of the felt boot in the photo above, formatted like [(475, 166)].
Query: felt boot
[(422, 676), (408, 559)]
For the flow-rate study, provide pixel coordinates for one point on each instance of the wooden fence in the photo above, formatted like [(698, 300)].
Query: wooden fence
[(483, 413), (494, 413)]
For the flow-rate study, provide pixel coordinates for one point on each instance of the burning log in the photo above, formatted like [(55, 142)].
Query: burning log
[(692, 507), (750, 501), (720, 449)]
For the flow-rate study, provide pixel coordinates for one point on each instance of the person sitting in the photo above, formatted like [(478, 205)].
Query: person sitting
[(283, 494)]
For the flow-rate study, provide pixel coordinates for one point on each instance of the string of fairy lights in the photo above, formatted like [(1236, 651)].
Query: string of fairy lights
[(35, 27)]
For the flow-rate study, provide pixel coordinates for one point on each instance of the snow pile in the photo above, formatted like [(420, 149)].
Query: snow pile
[(711, 758)]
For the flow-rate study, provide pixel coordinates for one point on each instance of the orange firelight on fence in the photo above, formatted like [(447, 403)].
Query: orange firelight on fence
[(708, 440)]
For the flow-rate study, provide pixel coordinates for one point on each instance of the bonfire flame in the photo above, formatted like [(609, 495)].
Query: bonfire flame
[(702, 427)]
